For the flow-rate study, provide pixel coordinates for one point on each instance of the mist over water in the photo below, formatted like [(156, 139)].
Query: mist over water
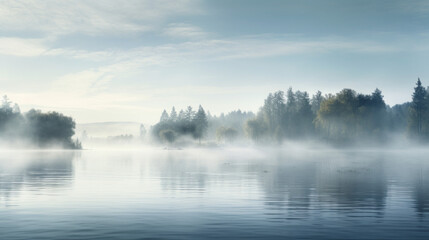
[(229, 192)]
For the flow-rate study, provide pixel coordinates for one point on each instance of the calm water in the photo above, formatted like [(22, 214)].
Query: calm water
[(214, 194)]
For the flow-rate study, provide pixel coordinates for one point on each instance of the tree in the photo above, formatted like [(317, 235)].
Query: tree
[(348, 115), (226, 134), (51, 128), (6, 103), (255, 129), (304, 115), (291, 101), (417, 109), (164, 116), (316, 100), (167, 135), (16, 109), (273, 112), (337, 116), (289, 118), (201, 123), (173, 114), (398, 117), (189, 114)]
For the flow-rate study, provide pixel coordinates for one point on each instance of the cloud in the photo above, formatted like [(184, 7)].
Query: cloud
[(95, 80), (220, 49), (95, 88), (21, 47), (82, 83), (89, 17), (182, 30)]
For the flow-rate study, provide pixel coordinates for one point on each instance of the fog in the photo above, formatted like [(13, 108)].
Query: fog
[(343, 120)]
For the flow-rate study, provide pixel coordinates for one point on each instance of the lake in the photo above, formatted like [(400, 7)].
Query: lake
[(222, 193)]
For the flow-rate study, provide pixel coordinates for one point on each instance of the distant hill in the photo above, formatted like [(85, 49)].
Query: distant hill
[(108, 129)]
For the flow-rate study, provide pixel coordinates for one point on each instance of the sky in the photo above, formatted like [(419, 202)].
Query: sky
[(102, 61)]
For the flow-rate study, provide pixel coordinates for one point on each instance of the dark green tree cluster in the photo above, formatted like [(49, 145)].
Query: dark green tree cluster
[(281, 117), (186, 123), (344, 117), (348, 115), (35, 127), (418, 124)]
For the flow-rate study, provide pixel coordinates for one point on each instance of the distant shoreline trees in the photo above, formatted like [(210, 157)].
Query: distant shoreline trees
[(187, 123), (36, 128), (343, 118)]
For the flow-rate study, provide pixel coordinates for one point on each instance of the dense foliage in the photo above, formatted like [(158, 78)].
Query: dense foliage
[(346, 117), (35, 127), (186, 123)]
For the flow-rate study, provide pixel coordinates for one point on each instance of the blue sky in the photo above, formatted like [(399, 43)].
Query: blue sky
[(128, 60)]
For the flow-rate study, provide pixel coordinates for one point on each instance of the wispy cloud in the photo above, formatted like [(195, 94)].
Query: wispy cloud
[(95, 80), (89, 17), (21, 47), (245, 47), (182, 30)]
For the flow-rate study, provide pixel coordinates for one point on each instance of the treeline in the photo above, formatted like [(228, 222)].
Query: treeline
[(346, 117), (35, 128), (198, 125), (185, 123)]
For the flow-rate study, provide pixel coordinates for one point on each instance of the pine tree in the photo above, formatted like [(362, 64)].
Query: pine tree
[(418, 107), (189, 114), (201, 123), (316, 100), (164, 116), (173, 114)]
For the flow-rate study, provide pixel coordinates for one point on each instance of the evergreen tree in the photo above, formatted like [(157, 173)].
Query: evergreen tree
[(164, 116), (289, 118), (201, 123), (291, 101), (304, 114), (417, 109), (173, 114), (6, 104), (189, 114), (181, 116), (273, 113), (316, 100)]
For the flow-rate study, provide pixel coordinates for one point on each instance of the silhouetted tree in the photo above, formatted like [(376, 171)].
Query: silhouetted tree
[(304, 115), (51, 128), (316, 100), (201, 123), (167, 135), (348, 115), (417, 109)]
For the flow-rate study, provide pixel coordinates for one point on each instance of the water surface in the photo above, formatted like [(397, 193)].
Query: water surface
[(214, 194)]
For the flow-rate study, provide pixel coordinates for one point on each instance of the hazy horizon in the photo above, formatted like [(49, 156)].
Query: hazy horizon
[(127, 61)]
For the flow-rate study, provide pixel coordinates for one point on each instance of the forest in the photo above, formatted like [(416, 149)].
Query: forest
[(346, 117), (35, 128)]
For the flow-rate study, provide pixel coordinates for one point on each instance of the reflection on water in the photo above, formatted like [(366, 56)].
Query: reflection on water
[(230, 193), (33, 172)]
